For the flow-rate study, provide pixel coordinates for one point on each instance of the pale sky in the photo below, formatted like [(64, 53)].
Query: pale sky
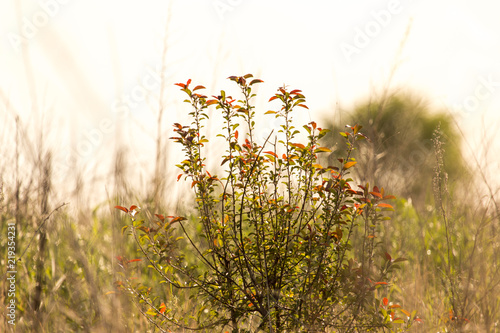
[(83, 60)]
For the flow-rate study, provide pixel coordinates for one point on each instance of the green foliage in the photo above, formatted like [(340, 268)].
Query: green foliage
[(400, 153), (272, 238)]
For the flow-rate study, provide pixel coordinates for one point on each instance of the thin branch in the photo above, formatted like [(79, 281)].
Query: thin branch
[(38, 229)]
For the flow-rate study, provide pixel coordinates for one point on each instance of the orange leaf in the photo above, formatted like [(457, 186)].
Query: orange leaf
[(299, 145), (179, 177), (134, 260), (384, 205), (408, 314), (177, 219), (349, 165), (236, 135), (163, 307), (271, 153), (385, 301)]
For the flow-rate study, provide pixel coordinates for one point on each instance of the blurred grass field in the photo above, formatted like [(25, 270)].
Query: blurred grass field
[(67, 269)]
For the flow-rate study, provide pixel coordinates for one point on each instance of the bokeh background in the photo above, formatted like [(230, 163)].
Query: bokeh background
[(87, 87)]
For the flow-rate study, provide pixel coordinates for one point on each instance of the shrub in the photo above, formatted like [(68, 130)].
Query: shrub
[(401, 128), (271, 246)]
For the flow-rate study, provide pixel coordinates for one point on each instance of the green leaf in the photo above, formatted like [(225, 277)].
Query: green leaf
[(255, 81), (124, 228), (151, 312), (322, 150)]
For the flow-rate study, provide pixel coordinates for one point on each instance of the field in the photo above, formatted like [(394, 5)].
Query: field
[(66, 254)]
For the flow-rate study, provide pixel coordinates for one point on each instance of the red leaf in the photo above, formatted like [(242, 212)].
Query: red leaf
[(189, 81), (198, 87), (388, 256), (133, 207), (385, 301), (160, 216), (182, 85), (379, 283), (236, 134), (303, 105), (179, 177), (211, 101), (272, 98), (122, 208), (271, 153), (177, 219), (293, 92), (133, 260), (163, 307)]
